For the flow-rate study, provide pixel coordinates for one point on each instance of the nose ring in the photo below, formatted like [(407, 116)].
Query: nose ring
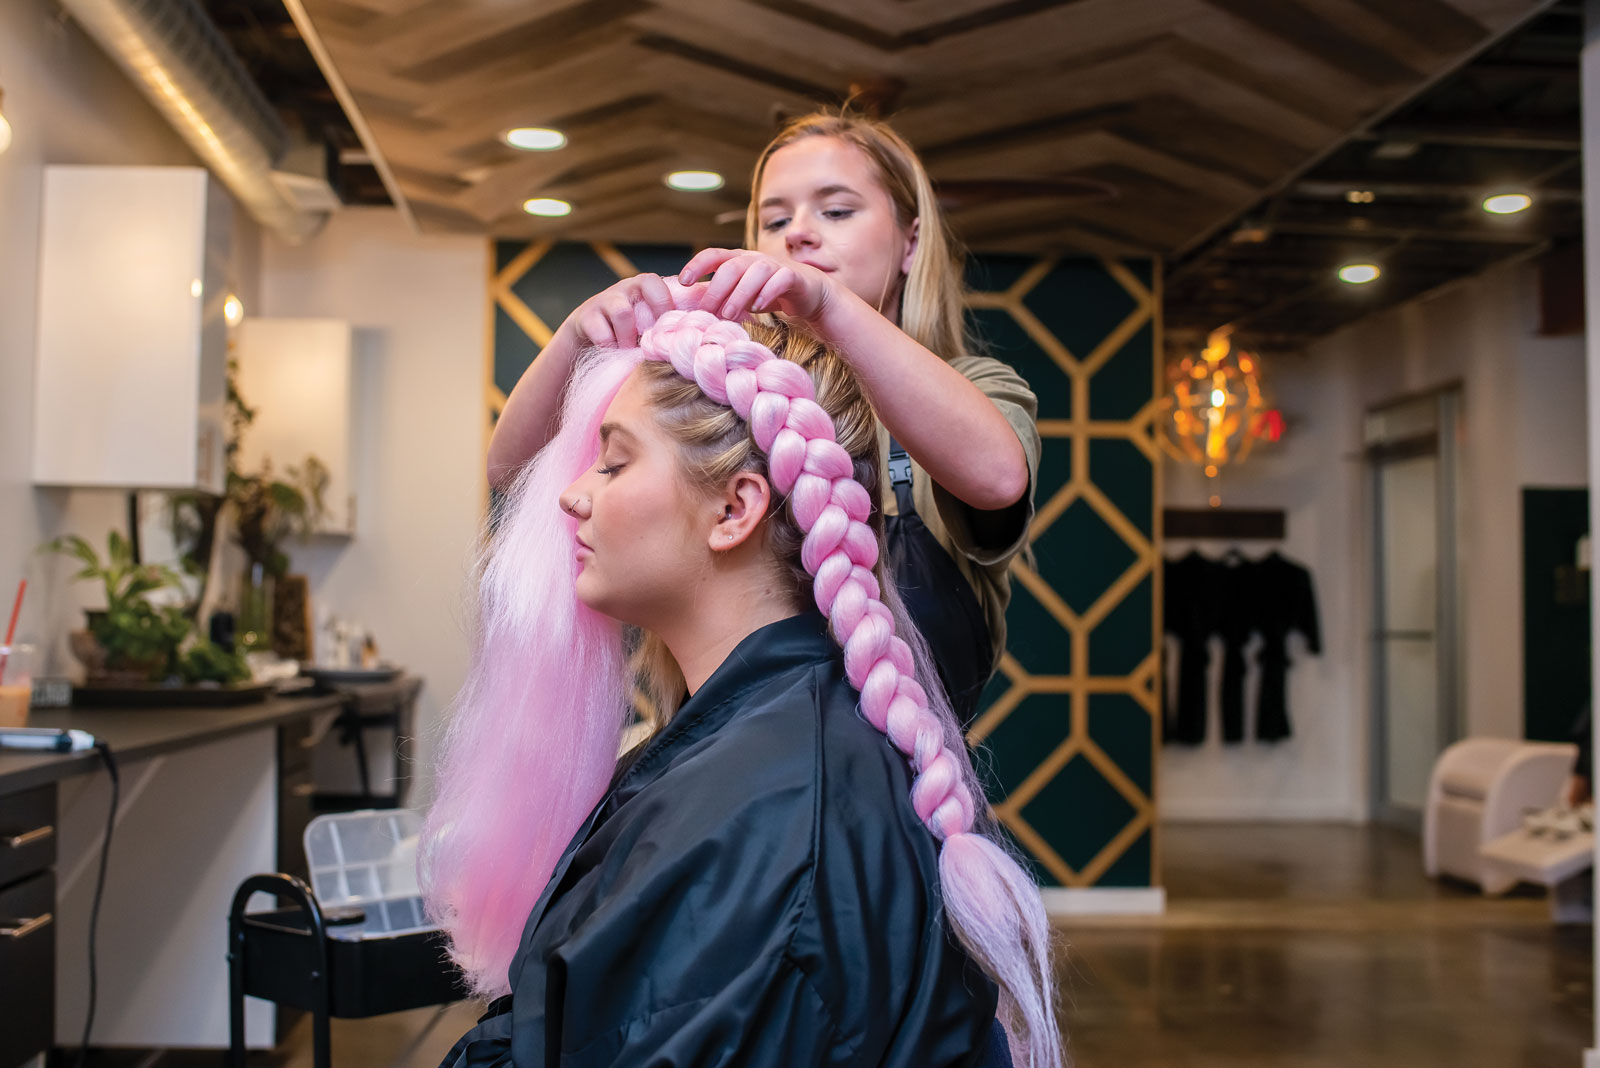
[(572, 509)]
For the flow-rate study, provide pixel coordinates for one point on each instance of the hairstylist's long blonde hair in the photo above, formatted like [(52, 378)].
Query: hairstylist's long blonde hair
[(930, 302)]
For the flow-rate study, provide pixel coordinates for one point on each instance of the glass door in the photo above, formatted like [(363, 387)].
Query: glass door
[(1411, 453)]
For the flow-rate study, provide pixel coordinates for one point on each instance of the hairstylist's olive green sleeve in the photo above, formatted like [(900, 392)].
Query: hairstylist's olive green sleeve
[(982, 548)]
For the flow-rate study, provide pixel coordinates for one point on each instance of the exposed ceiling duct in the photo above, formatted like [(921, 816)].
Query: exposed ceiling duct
[(180, 60)]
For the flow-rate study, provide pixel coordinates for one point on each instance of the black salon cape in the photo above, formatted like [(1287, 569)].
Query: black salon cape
[(755, 890)]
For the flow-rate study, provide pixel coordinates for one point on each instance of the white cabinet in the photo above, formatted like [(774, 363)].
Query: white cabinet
[(297, 375), (130, 381)]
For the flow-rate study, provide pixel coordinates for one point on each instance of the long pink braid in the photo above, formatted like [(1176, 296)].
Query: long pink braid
[(533, 735), (993, 905)]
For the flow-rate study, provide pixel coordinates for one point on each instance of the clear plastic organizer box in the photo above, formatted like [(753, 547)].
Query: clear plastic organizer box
[(367, 861)]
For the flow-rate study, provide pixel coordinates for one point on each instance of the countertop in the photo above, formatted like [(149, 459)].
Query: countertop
[(136, 733)]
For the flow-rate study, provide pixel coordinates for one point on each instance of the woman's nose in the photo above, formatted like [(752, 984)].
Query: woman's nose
[(799, 236), (575, 502)]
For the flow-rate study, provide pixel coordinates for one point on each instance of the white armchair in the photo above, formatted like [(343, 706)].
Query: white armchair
[(1479, 790)]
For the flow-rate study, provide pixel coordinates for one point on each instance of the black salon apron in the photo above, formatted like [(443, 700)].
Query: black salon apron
[(938, 597)]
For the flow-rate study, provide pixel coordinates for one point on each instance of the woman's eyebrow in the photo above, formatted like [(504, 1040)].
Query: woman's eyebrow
[(822, 191), (608, 429)]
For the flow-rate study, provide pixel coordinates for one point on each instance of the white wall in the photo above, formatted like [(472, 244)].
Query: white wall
[(1313, 476), (67, 103), (1523, 424), (418, 308)]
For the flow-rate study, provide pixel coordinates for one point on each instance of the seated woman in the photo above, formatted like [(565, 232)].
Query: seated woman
[(791, 870)]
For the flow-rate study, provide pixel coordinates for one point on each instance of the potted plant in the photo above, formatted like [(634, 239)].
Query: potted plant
[(134, 639), (266, 512)]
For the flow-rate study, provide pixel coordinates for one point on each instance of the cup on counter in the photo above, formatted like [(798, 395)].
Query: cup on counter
[(16, 683)]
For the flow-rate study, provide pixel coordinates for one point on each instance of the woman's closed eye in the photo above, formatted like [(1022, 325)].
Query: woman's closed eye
[(772, 225)]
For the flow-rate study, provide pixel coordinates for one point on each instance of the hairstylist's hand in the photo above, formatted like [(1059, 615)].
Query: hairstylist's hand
[(616, 316), (743, 283)]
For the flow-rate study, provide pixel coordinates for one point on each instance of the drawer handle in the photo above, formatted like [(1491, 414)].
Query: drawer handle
[(24, 928), (38, 834)]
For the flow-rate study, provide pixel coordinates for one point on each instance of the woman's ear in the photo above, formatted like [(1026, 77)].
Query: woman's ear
[(744, 502), (911, 246)]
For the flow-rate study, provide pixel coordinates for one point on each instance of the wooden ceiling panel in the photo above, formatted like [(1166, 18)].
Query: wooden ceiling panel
[(1192, 109)]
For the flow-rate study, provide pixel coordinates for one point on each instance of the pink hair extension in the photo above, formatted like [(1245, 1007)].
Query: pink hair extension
[(993, 905), (533, 736)]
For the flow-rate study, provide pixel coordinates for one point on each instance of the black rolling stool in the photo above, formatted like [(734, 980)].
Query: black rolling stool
[(368, 955)]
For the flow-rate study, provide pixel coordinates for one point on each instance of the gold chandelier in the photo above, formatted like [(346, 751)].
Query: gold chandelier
[(1214, 410)]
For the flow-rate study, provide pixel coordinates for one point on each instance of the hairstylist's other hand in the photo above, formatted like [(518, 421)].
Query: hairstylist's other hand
[(616, 316), (744, 283)]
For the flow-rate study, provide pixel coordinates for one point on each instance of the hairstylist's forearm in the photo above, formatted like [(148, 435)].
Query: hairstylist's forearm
[(529, 418), (943, 420)]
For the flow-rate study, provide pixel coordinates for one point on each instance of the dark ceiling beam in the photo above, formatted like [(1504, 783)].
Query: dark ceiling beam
[(1471, 133), (1350, 229), (1524, 69), (1336, 186)]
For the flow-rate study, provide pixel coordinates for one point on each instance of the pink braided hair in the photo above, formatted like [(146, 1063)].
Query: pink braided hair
[(993, 905)]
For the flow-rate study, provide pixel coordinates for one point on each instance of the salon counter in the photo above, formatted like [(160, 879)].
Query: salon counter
[(138, 733), (208, 796)]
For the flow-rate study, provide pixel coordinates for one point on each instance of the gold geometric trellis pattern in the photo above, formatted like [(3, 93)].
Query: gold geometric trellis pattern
[(1103, 404), (1068, 734)]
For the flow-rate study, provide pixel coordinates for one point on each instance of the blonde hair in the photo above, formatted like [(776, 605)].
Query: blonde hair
[(716, 444), (931, 298)]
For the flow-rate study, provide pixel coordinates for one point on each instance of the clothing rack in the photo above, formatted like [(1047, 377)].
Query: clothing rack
[(1237, 524)]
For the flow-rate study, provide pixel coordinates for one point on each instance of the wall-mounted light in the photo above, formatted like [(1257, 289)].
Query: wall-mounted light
[(549, 207), (1507, 203), (535, 139), (5, 129), (1360, 196), (694, 181), (233, 310), (1359, 274)]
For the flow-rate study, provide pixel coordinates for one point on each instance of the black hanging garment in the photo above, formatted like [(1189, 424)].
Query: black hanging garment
[(1189, 601), (1283, 601), (939, 599), (1237, 602)]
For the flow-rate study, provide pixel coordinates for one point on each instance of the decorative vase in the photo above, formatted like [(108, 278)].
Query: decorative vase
[(253, 627)]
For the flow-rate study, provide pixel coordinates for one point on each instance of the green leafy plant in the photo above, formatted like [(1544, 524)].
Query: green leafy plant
[(135, 635), (206, 661), (267, 509)]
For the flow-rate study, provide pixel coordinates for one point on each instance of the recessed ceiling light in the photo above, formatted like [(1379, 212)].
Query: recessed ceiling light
[(1359, 274), (1507, 203), (535, 139), (547, 206), (694, 181)]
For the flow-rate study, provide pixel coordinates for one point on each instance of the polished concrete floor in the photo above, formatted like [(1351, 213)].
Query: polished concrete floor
[(1323, 946), (1292, 946)]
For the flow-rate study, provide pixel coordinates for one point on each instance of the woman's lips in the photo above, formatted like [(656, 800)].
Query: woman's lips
[(584, 549)]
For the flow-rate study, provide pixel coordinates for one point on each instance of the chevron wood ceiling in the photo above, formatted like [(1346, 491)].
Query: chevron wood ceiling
[(1189, 110)]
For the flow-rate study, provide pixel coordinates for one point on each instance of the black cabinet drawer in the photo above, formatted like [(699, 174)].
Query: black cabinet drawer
[(27, 969), (27, 834)]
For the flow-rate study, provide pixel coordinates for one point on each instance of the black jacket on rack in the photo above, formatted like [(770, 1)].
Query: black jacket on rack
[(1284, 602), (1190, 608), (1235, 598)]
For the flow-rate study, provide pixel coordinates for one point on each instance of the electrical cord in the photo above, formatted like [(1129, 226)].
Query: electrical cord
[(99, 887)]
